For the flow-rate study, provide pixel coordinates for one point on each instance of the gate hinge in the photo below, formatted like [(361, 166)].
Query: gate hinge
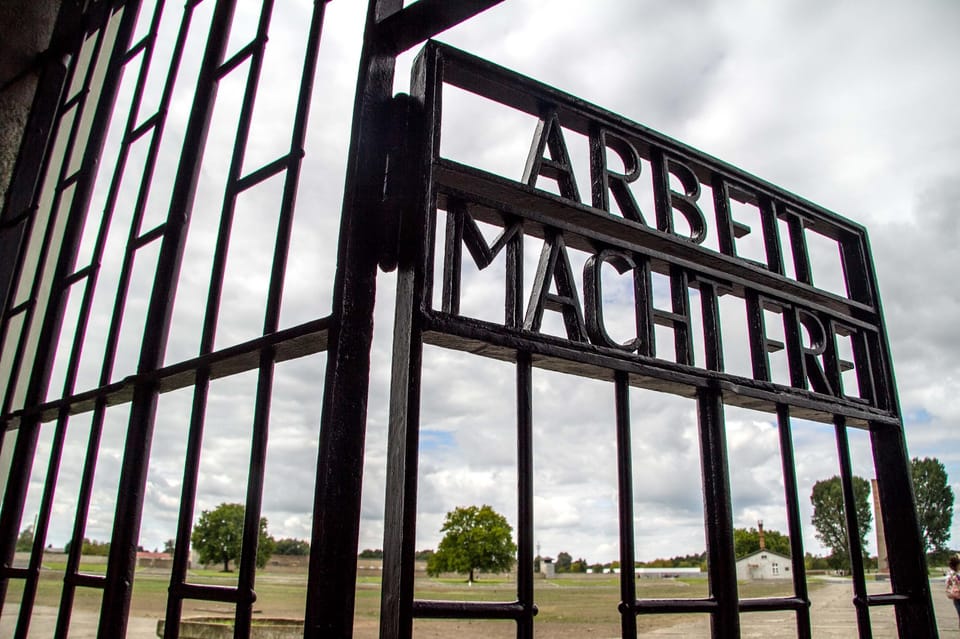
[(400, 170)]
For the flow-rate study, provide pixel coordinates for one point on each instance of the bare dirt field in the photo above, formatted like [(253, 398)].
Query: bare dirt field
[(569, 607)]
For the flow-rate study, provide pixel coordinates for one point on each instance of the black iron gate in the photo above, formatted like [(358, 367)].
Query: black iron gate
[(397, 186)]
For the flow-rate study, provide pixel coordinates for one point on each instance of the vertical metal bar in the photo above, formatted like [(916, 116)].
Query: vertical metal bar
[(400, 518), (292, 180), (116, 602), (30, 587), (757, 331), (771, 234), (15, 497), (908, 569), (40, 532), (712, 333), (336, 509), (721, 562), (62, 184), (798, 244), (50, 327), (80, 520), (228, 210), (188, 498), (853, 528), (794, 522), (123, 285), (246, 579), (525, 514), (680, 304), (628, 557), (453, 256)]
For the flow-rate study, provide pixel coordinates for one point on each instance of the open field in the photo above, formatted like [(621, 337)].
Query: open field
[(570, 606)]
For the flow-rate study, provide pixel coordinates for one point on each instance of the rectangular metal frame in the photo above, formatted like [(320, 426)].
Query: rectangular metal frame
[(387, 219), (812, 318)]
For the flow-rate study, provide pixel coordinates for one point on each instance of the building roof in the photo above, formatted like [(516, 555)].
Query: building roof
[(766, 551)]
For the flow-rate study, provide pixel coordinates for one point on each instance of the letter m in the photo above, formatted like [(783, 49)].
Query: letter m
[(462, 230)]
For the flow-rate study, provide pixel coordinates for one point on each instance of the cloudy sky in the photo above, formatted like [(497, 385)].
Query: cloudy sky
[(850, 105)]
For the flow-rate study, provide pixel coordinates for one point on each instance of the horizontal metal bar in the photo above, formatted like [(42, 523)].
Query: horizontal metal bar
[(585, 360), (205, 592), (78, 275), (238, 58), (153, 234), (18, 219), (583, 223), (423, 20), (264, 173), (20, 308), (73, 102), (292, 343), (431, 609), (83, 580), (10, 572), (669, 606), (773, 603), (887, 599), (144, 126), (138, 48)]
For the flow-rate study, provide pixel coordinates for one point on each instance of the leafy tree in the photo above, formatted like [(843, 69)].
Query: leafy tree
[(474, 539), (91, 548), (218, 536), (564, 559), (292, 547), (25, 540), (830, 521), (934, 502), (747, 541), (578, 565), (169, 546), (368, 553)]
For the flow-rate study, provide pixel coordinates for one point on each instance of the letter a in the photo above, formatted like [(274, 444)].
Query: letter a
[(555, 266), (549, 136)]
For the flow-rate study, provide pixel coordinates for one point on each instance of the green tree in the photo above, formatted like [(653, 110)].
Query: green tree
[(578, 565), (292, 547), (747, 541), (25, 540), (564, 559), (169, 546), (218, 536), (830, 521), (474, 539), (934, 502)]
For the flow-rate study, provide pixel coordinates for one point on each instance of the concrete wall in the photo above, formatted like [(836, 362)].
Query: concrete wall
[(25, 29)]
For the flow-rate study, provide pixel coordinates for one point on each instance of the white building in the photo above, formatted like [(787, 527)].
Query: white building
[(763, 564)]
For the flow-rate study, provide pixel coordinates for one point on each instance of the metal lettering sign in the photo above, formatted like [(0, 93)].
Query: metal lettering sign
[(667, 240), (817, 349)]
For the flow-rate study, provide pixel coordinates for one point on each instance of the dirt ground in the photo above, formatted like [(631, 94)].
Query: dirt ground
[(832, 615)]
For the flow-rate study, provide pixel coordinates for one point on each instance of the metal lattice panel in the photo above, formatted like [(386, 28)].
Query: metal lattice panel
[(71, 211)]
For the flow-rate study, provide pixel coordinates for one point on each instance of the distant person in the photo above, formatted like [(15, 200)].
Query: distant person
[(953, 583)]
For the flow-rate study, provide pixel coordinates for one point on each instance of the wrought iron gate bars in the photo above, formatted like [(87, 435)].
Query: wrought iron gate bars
[(465, 193), (59, 284), (369, 236)]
